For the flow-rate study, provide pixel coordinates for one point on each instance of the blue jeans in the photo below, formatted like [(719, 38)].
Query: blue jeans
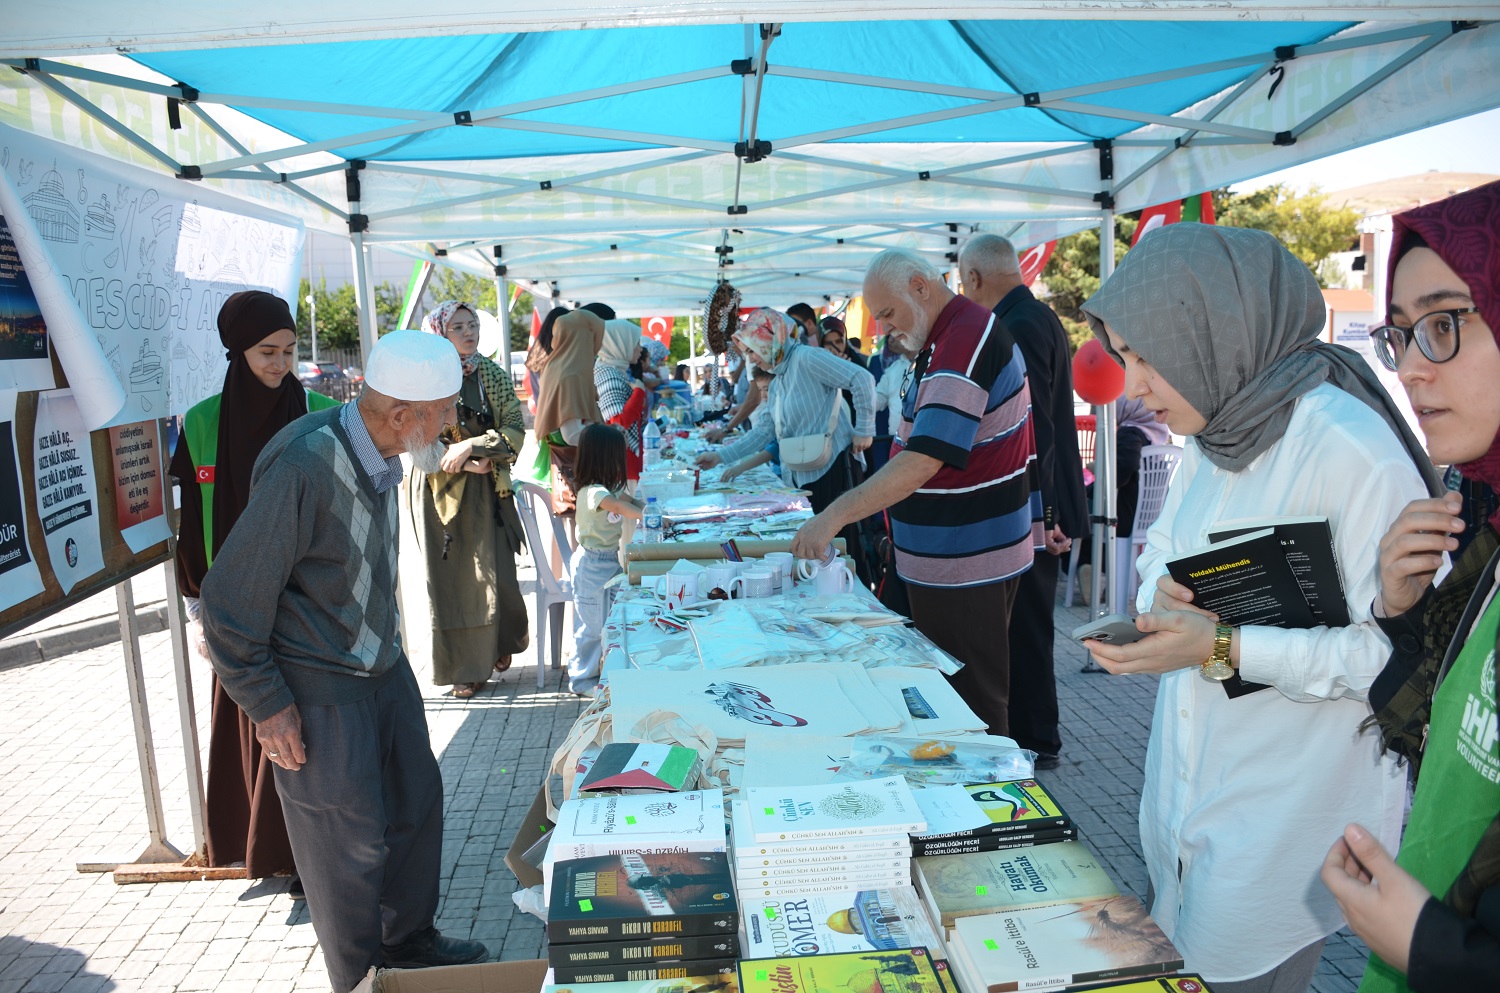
[(592, 568)]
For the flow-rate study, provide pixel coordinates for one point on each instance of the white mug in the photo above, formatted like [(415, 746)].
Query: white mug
[(758, 582), (785, 564), (680, 589), (828, 578), (721, 576)]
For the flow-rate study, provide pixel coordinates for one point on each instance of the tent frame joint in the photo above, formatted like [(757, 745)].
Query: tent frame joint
[(1284, 138), (359, 223), (736, 209), (464, 118), (190, 172), (1033, 99), (1105, 200), (742, 67), (752, 151)]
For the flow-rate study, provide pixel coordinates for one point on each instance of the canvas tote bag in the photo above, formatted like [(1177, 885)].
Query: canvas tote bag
[(807, 452)]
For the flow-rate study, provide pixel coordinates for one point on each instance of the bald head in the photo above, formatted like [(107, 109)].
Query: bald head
[(989, 268)]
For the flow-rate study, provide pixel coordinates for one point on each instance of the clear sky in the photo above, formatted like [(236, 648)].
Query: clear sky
[(1469, 144)]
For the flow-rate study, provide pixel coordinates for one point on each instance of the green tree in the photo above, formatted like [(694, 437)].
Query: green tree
[(1309, 228), (454, 284), (1303, 222), (337, 316), (1072, 274)]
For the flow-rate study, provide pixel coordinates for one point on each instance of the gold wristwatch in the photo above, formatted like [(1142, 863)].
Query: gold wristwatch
[(1216, 667)]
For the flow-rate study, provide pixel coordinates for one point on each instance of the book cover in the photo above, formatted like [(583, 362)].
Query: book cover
[(1018, 807), (836, 810), (903, 970), (745, 845), (823, 870), (653, 972), (847, 921), (647, 972), (629, 767), (1066, 945), (699, 981), (1184, 982), (595, 953), (1307, 543), (635, 895), (757, 890), (992, 842), (1245, 580), (967, 885), (657, 823)]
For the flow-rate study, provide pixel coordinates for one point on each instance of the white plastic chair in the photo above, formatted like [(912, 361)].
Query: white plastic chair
[(554, 584), (1086, 426), (1157, 467)]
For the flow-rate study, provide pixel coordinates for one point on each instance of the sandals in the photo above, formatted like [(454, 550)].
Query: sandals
[(465, 690), (503, 663)]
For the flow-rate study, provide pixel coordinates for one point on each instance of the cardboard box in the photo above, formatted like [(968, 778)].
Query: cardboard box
[(487, 977), (535, 824)]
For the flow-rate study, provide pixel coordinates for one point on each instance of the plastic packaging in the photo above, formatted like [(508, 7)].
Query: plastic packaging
[(651, 521)]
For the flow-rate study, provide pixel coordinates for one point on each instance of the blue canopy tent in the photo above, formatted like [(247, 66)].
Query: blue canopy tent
[(636, 164)]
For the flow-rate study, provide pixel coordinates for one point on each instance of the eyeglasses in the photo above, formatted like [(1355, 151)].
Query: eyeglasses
[(1436, 335)]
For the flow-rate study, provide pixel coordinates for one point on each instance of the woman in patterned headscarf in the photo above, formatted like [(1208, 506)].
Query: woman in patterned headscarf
[(1432, 916), (470, 531), (1253, 762)]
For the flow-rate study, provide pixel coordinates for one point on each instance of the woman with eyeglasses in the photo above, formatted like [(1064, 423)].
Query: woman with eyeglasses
[(1254, 757), (470, 531), (1432, 915)]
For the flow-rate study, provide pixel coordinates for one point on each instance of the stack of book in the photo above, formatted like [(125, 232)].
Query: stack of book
[(977, 883), (1003, 815), (1059, 947), (645, 824), (642, 917), (830, 838)]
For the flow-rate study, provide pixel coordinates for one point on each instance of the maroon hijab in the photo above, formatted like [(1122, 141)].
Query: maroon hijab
[(1464, 230), (250, 412)]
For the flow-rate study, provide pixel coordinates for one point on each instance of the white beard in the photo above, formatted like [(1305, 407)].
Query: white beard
[(427, 456)]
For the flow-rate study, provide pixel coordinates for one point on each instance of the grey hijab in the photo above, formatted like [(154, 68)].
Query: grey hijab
[(1231, 320)]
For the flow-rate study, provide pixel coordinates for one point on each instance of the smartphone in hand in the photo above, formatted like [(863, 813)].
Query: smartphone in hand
[(1115, 629)]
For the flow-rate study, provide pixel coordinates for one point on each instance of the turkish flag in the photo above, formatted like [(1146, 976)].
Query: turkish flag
[(1034, 260), (1155, 217), (658, 329)]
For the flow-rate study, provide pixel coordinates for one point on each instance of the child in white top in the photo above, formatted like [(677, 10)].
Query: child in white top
[(599, 483)]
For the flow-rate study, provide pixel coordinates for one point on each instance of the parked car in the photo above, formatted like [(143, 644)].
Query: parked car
[(329, 379), (355, 375)]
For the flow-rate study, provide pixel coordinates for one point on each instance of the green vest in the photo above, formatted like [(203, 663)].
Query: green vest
[(1458, 792), (201, 429)]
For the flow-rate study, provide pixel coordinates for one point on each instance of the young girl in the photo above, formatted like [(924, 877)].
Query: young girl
[(762, 380), (602, 508)]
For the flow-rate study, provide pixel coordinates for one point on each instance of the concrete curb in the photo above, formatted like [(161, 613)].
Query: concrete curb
[(57, 642)]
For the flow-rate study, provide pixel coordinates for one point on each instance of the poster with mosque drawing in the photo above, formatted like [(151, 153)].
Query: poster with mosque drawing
[(130, 269)]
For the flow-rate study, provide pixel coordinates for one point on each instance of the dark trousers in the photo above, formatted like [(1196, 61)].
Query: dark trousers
[(842, 476), (365, 817), (970, 623), (1033, 687)]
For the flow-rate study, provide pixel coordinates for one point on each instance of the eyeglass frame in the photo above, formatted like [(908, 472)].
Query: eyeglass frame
[(1408, 335)]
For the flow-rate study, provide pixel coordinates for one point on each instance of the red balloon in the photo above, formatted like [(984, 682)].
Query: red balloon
[(1097, 377)]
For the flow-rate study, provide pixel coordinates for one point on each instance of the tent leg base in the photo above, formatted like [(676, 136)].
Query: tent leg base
[(175, 873)]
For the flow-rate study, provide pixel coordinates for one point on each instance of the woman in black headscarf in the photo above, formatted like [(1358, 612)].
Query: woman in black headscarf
[(216, 452)]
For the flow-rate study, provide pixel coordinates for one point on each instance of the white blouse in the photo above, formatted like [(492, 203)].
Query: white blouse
[(1243, 798)]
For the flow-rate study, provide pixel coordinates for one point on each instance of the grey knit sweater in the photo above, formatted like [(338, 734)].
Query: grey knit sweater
[(300, 605)]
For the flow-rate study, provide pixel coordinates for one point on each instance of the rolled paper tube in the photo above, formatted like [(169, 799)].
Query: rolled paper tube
[(694, 550), (656, 567)]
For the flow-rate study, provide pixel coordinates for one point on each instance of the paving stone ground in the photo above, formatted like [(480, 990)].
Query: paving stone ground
[(70, 791)]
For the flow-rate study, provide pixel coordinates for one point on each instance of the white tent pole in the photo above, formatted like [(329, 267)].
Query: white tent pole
[(158, 849), (186, 712), (502, 308), (1104, 464), (362, 288)]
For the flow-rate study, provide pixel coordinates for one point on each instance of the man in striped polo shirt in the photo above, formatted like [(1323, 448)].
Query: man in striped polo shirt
[(960, 481)]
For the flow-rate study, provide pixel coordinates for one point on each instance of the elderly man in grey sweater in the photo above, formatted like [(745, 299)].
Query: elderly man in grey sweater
[(300, 617)]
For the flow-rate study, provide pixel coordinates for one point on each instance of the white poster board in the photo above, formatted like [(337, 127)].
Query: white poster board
[(67, 496), (131, 267)]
